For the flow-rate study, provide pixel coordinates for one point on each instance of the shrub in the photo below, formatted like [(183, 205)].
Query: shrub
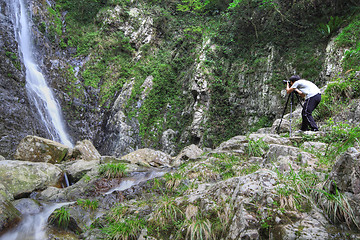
[(61, 216), (113, 170)]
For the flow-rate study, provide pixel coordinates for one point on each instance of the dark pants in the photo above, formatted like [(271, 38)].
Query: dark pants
[(307, 119)]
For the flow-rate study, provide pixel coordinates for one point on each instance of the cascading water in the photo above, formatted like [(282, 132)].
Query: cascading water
[(33, 226), (36, 86)]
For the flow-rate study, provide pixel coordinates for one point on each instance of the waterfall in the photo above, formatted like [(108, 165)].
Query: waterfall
[(33, 226), (36, 86)]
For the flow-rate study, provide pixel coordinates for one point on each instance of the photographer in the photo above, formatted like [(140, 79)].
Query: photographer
[(312, 95)]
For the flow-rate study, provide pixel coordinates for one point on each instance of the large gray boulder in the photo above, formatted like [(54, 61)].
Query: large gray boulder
[(277, 151), (191, 152), (149, 157), (21, 178), (77, 169), (346, 173), (37, 149), (86, 151)]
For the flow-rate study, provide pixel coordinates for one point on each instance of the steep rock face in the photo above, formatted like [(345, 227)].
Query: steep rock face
[(111, 130), (16, 115)]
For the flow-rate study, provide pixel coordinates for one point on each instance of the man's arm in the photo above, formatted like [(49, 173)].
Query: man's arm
[(290, 90)]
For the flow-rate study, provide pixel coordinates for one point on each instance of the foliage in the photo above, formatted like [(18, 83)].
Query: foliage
[(88, 204), (192, 5), (199, 229), (335, 204), (61, 216), (225, 165), (166, 218), (336, 95), (349, 38), (113, 170), (82, 10), (328, 29), (295, 188), (117, 213), (256, 148), (125, 229), (173, 180)]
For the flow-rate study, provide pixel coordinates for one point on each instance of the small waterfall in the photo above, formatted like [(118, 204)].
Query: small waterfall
[(37, 88), (128, 182), (33, 226)]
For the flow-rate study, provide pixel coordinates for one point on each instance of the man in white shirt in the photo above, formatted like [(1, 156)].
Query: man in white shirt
[(312, 95)]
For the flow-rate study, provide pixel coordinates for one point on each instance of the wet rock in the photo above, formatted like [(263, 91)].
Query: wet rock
[(21, 178), (27, 206), (77, 169), (86, 151), (69, 225), (149, 157), (17, 118), (9, 215), (37, 149)]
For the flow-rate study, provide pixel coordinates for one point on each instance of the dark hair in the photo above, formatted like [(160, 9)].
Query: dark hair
[(294, 78)]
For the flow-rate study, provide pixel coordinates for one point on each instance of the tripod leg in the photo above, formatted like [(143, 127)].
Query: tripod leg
[(287, 101), (291, 107)]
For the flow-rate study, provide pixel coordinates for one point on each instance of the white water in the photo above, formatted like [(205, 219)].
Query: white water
[(33, 227), (131, 181), (36, 85)]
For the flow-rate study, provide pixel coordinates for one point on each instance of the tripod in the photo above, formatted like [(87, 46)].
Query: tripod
[(291, 99)]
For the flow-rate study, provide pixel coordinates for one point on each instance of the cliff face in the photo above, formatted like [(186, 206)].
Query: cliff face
[(146, 78), (17, 116)]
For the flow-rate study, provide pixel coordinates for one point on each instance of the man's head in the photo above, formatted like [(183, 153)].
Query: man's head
[(294, 78)]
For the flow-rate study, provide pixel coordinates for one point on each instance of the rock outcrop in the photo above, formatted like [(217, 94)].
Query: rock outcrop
[(37, 149)]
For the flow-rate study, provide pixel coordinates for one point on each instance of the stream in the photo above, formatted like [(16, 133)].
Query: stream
[(33, 225)]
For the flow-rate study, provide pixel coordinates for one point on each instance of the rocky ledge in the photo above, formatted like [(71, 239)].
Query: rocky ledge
[(260, 186)]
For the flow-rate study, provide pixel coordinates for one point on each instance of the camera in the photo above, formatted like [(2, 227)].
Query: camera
[(286, 81)]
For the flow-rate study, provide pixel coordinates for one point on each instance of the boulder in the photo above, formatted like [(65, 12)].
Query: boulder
[(270, 138), (77, 169), (37, 149), (345, 174), (86, 151), (21, 178), (234, 143), (312, 225), (315, 147), (149, 157), (27, 206), (276, 150), (191, 152)]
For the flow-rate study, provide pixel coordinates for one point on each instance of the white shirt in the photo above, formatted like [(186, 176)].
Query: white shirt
[(307, 87)]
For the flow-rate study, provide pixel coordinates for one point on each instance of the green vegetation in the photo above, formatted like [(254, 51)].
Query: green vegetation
[(128, 228), (61, 217), (88, 204), (113, 170)]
